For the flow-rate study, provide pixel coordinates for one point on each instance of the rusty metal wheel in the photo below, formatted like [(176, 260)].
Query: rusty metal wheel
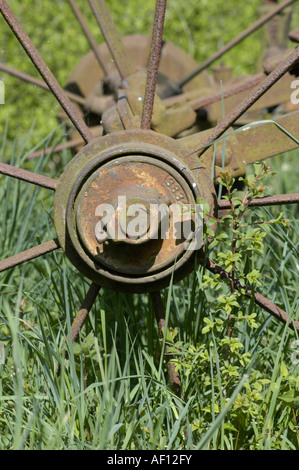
[(142, 126)]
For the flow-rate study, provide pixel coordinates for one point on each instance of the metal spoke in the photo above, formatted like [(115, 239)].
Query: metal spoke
[(29, 176), (159, 311), (73, 143), (45, 72), (245, 104), (112, 38), (34, 81), (197, 103), (59, 148), (84, 310), (260, 22), (28, 255), (259, 299), (88, 35), (153, 64), (265, 201)]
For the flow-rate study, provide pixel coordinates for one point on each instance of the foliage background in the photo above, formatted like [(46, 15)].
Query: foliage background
[(127, 403), (200, 27)]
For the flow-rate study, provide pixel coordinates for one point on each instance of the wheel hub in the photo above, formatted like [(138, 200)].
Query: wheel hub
[(122, 207)]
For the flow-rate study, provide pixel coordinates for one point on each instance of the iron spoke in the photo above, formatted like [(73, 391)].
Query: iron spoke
[(265, 201), (260, 22), (84, 310), (112, 38), (246, 103), (45, 72), (73, 143), (153, 64), (88, 35), (159, 312), (59, 148), (29, 176), (259, 299), (28, 255), (34, 81)]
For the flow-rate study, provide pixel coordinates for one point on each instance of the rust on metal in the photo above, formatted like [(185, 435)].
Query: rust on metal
[(45, 72), (75, 142), (88, 35), (58, 148), (294, 35), (28, 255), (84, 311), (112, 38), (239, 110), (159, 311), (250, 144), (29, 176), (143, 181), (265, 201), (260, 22), (138, 164), (34, 81), (233, 90), (153, 63)]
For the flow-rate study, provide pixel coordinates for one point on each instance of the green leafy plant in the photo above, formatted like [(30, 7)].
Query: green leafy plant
[(219, 362)]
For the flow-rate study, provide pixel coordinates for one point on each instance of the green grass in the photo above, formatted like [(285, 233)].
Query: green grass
[(113, 390)]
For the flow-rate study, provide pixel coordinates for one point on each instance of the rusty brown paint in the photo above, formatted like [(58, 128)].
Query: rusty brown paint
[(45, 72), (153, 64), (28, 176), (28, 255), (260, 300), (265, 201), (251, 29)]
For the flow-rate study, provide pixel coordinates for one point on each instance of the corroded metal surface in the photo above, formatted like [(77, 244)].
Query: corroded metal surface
[(240, 109), (88, 35), (28, 176), (28, 255), (112, 38), (147, 167), (294, 35), (265, 201), (153, 64), (251, 144), (74, 229), (84, 310)]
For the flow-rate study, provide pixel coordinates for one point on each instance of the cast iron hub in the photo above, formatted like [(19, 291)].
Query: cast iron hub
[(114, 211)]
